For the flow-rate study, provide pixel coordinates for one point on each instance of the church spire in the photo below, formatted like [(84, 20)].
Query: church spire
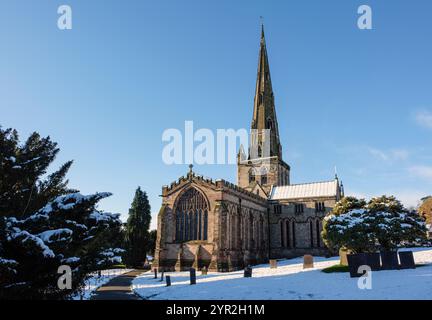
[(264, 114)]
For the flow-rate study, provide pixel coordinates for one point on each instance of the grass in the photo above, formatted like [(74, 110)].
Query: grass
[(336, 268), (342, 268), (117, 266)]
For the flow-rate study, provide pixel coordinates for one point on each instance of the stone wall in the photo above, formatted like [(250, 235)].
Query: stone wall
[(294, 234), (237, 228)]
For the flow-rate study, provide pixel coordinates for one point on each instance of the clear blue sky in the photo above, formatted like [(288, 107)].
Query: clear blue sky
[(128, 70)]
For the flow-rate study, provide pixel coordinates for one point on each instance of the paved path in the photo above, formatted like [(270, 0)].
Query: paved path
[(118, 288)]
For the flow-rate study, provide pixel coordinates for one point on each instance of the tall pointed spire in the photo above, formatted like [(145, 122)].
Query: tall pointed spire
[(264, 114)]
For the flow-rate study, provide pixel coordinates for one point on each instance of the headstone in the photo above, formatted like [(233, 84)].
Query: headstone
[(373, 260), (204, 271), (308, 261), (406, 260), (273, 263), (162, 276), (155, 273), (168, 281), (354, 262), (343, 260), (192, 276), (389, 260), (248, 272)]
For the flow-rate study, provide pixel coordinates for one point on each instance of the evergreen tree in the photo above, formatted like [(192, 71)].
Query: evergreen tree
[(394, 224), (22, 189), (152, 243), (44, 225), (337, 220), (137, 230), (383, 223)]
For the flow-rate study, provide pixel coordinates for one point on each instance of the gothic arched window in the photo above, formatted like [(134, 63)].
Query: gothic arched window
[(191, 216), (251, 175)]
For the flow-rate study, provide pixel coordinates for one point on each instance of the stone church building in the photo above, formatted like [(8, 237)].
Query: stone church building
[(225, 226)]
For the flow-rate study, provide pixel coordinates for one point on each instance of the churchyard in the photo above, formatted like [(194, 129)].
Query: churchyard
[(291, 279)]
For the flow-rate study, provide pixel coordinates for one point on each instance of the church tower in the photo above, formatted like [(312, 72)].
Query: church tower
[(263, 167)]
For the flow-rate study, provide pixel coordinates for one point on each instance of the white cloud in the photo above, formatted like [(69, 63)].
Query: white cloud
[(409, 198), (424, 172), (389, 155), (378, 154), (424, 118)]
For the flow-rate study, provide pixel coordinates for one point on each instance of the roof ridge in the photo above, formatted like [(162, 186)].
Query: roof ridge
[(305, 183)]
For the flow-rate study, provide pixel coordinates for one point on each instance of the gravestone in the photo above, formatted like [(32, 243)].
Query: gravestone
[(373, 260), (407, 260), (204, 271), (343, 260), (168, 281), (273, 263), (354, 262), (162, 276), (389, 260), (155, 273), (308, 261), (248, 272), (192, 276)]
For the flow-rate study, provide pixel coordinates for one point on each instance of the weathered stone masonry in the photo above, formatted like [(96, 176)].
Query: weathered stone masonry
[(225, 227)]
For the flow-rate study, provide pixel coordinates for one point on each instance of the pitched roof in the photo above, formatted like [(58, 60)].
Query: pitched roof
[(305, 190)]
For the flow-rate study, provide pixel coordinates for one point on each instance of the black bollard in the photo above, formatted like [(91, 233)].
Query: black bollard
[(168, 281), (248, 272), (192, 276), (155, 273)]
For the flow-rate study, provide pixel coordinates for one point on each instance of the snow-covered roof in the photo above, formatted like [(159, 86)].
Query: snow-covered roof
[(305, 190)]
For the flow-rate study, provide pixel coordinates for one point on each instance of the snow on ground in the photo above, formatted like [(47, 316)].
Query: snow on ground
[(94, 282), (290, 281)]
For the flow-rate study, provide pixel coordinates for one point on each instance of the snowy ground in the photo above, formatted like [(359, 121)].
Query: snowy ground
[(94, 282), (290, 281)]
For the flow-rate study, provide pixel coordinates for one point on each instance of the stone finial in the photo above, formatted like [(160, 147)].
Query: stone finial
[(190, 173)]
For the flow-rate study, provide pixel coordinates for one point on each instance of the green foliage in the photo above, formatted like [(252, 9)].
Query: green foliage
[(137, 236), (22, 190), (351, 230), (336, 269), (152, 242), (44, 224), (355, 237), (383, 223), (347, 204), (393, 224)]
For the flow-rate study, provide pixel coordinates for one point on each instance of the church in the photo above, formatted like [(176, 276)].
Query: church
[(224, 226)]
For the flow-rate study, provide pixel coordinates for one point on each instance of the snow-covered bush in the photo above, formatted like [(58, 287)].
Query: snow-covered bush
[(63, 232), (351, 230), (340, 229), (44, 224), (393, 224), (381, 224)]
